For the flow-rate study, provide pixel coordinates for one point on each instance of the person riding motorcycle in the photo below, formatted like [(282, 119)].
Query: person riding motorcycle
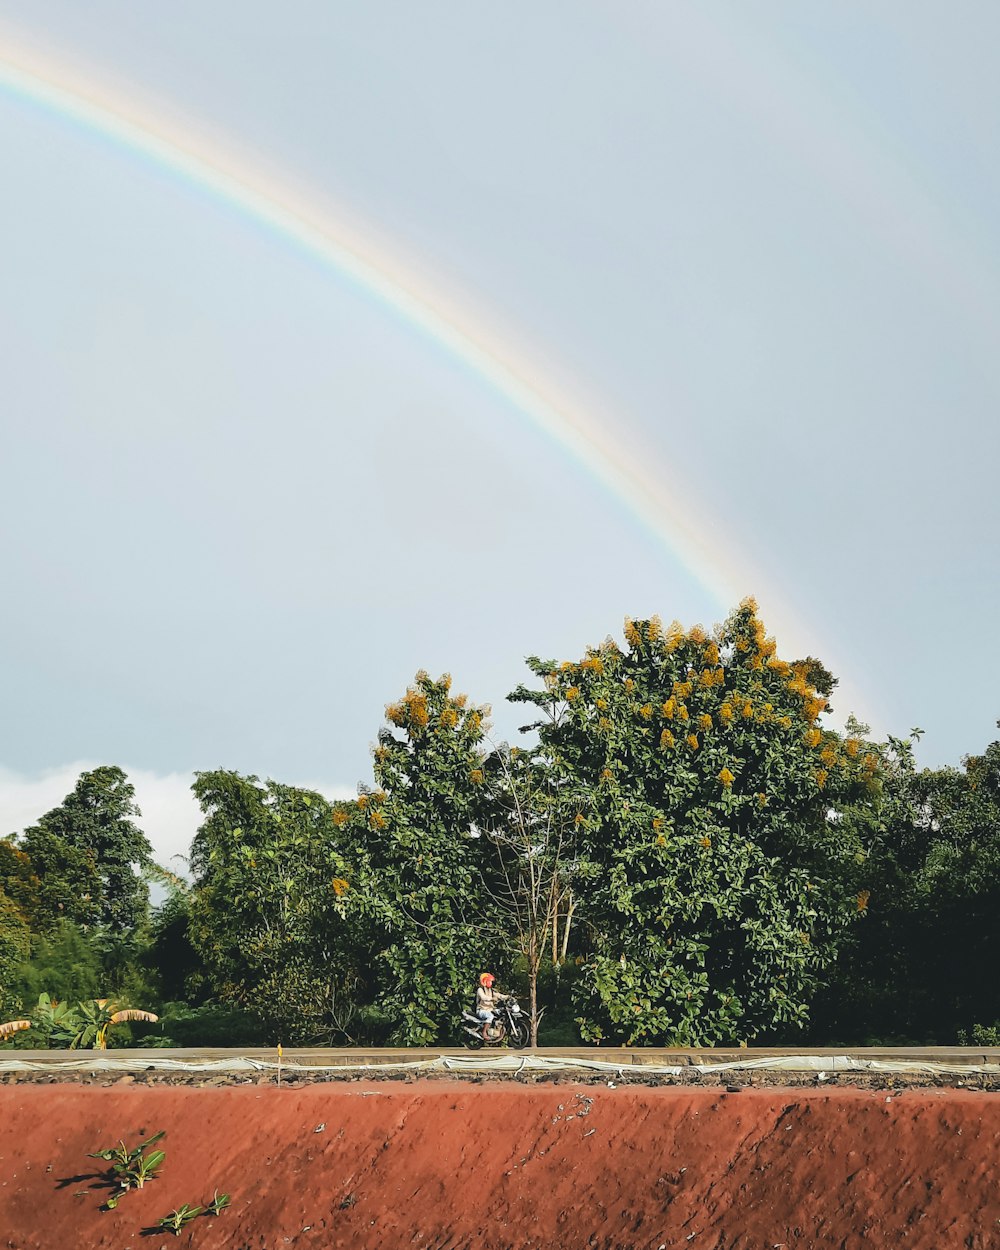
[(487, 999)]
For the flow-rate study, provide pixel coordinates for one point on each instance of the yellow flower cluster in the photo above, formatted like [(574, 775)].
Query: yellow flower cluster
[(813, 737), (704, 721), (712, 655), (829, 754), (593, 664), (629, 684), (376, 820), (632, 635), (675, 635), (747, 709), (726, 713), (697, 635), (682, 689), (411, 709), (666, 740), (668, 709), (607, 775), (654, 629), (381, 753), (646, 711), (579, 818), (603, 724), (852, 746), (449, 718), (821, 776), (476, 776), (862, 900), (566, 666), (340, 886), (692, 741), (474, 721), (814, 706), (362, 801), (682, 712), (573, 693), (602, 704), (657, 823), (339, 818), (706, 842), (726, 777)]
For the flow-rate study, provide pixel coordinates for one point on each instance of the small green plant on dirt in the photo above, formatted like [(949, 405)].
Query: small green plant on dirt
[(131, 1168), (176, 1220), (218, 1204)]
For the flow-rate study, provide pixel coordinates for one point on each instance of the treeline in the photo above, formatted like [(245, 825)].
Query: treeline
[(681, 851)]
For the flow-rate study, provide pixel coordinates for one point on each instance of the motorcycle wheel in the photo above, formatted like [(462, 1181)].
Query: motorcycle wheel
[(518, 1036), (474, 1043)]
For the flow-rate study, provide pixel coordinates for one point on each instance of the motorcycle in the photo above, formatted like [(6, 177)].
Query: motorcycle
[(509, 1025)]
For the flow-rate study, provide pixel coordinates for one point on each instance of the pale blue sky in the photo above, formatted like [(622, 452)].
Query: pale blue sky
[(243, 502)]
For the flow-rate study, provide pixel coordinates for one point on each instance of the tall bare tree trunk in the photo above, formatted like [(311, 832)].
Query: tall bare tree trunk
[(533, 996), (569, 917)]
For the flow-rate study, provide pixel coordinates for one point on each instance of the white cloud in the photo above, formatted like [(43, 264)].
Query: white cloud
[(170, 813)]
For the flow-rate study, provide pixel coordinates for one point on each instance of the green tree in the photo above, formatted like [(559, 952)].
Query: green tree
[(64, 963), (87, 855), (19, 881), (530, 838), (14, 946), (270, 912), (422, 867), (912, 972), (715, 883)]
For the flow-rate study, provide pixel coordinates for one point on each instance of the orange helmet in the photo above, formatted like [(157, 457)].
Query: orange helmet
[(486, 979)]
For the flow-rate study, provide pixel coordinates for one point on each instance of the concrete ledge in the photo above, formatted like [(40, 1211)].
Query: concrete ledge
[(549, 1057)]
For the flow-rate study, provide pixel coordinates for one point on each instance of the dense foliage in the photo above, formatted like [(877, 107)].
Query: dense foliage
[(718, 877), (680, 850)]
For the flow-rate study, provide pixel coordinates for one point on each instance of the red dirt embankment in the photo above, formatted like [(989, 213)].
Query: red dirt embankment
[(504, 1166)]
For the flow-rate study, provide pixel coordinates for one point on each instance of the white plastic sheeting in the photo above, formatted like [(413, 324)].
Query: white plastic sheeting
[(475, 1063)]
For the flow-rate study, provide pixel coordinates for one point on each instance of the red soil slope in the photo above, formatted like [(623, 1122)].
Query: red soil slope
[(504, 1166)]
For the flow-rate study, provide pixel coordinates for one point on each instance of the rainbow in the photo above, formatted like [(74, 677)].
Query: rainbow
[(679, 523)]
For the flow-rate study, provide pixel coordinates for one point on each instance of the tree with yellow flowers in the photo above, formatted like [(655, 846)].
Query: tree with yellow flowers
[(715, 882), (421, 863)]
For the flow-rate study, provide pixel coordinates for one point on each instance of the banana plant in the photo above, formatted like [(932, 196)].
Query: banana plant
[(132, 1166), (176, 1220), (219, 1203), (58, 1022), (100, 1015)]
